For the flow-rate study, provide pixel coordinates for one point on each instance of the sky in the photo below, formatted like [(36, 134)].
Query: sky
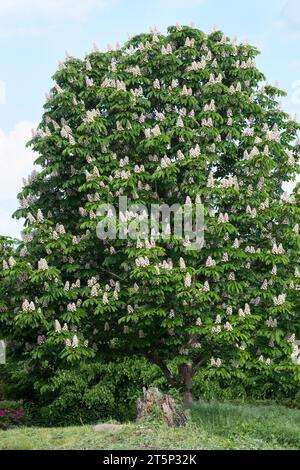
[(35, 34)]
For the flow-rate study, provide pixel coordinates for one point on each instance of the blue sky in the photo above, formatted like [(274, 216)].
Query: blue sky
[(34, 35)]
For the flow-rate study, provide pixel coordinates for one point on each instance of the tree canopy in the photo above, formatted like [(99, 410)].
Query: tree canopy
[(165, 119)]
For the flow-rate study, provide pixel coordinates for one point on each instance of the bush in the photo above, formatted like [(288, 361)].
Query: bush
[(89, 392), (12, 413)]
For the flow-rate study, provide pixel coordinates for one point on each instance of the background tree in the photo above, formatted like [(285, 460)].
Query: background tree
[(164, 119)]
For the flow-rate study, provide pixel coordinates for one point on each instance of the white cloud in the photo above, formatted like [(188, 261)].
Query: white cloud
[(73, 9), (16, 162)]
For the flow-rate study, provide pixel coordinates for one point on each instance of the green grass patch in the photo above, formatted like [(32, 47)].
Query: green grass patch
[(211, 425)]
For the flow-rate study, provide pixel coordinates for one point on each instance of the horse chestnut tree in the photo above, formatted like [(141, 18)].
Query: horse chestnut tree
[(165, 119)]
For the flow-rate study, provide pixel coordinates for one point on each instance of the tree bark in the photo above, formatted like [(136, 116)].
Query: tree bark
[(186, 380), (152, 399)]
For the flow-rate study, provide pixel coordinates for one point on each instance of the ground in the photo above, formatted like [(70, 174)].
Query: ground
[(211, 426)]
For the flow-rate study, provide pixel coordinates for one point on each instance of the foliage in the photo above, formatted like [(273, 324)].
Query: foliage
[(165, 119), (12, 414)]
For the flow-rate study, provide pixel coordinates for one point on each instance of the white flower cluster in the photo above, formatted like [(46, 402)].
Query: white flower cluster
[(142, 262), (28, 306), (245, 312), (291, 158), (179, 122), (236, 244), (42, 265), (91, 115), (165, 162), (228, 326), (11, 263), (230, 182), (251, 212), (278, 250), (271, 323), (187, 281), (210, 181), (280, 300), (216, 330), (184, 352), (295, 354), (210, 262), (105, 299), (71, 307), (207, 122), (206, 287), (189, 42), (288, 198), (95, 290), (168, 265), (197, 66), (267, 361), (274, 134), (216, 362), (213, 79), (112, 83), (195, 152), (57, 326), (66, 133), (26, 202), (74, 344), (249, 64), (265, 285), (41, 339), (182, 264), (137, 92), (223, 219), (235, 89), (135, 70), (186, 91), (155, 132), (166, 50), (123, 175), (252, 250), (211, 107)]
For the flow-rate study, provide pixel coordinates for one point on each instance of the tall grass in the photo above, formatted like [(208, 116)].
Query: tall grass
[(270, 423)]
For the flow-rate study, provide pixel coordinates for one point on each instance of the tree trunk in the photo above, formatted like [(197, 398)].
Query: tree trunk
[(154, 402), (186, 380)]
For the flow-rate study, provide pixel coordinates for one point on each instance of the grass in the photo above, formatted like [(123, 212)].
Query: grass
[(211, 426)]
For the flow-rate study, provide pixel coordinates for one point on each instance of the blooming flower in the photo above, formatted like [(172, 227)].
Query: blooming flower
[(182, 264), (228, 326), (216, 362), (280, 300), (188, 281), (75, 342), (210, 262), (42, 265), (206, 287), (71, 307)]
